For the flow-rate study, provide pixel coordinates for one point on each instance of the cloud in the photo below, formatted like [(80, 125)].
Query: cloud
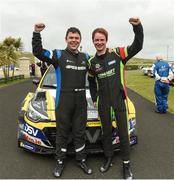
[(17, 18)]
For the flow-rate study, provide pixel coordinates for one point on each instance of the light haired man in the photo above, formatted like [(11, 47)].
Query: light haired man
[(107, 68), (163, 74)]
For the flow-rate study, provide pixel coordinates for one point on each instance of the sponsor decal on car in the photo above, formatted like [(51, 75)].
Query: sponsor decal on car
[(93, 138), (94, 124), (29, 147), (30, 130), (133, 140), (32, 139), (116, 140)]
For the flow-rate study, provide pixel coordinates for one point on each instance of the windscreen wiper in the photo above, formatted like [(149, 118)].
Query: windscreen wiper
[(50, 85)]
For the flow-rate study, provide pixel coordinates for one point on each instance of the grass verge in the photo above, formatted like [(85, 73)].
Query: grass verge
[(9, 83), (144, 86)]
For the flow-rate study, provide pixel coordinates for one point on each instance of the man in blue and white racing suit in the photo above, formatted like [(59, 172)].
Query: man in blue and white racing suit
[(163, 74)]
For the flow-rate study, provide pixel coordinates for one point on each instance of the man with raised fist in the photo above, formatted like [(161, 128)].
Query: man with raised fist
[(107, 70), (71, 106)]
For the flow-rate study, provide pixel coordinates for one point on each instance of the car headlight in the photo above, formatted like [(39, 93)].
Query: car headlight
[(132, 123), (34, 115), (132, 127)]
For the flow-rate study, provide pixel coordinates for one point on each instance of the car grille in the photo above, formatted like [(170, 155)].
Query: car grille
[(93, 135), (50, 133)]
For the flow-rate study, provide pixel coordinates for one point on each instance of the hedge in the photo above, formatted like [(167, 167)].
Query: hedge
[(132, 67), (5, 80)]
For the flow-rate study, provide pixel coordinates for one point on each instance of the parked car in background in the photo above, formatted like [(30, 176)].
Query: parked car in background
[(148, 71)]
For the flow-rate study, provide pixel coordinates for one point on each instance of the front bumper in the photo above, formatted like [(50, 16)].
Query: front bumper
[(93, 144), (43, 141)]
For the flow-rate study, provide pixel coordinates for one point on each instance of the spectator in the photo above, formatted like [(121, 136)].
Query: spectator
[(163, 74)]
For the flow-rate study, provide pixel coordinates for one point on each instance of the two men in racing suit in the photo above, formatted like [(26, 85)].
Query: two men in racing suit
[(106, 80), (163, 74), (71, 106)]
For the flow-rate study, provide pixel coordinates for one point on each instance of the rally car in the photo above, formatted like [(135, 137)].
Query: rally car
[(37, 122)]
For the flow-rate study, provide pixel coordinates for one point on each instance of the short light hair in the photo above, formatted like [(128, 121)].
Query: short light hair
[(159, 57)]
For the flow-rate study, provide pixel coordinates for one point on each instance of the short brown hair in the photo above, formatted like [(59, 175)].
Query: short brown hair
[(73, 30), (100, 30)]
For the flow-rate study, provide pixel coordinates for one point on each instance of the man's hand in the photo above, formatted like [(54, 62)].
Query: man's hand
[(165, 81), (134, 20), (39, 27)]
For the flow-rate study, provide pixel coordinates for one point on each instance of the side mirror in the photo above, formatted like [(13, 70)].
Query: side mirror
[(36, 81)]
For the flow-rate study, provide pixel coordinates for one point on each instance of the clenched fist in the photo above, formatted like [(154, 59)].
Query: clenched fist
[(39, 27), (134, 20)]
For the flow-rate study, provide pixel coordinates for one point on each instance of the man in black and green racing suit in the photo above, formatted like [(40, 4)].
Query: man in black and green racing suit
[(107, 70)]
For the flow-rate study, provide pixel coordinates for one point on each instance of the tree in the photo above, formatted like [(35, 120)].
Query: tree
[(9, 51)]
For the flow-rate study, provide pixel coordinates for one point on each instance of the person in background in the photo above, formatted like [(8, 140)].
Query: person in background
[(107, 68), (32, 69), (163, 74)]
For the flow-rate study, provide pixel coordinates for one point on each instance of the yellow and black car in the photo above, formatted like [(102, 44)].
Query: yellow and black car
[(37, 123)]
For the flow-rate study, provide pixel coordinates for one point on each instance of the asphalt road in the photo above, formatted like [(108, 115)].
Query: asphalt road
[(152, 158)]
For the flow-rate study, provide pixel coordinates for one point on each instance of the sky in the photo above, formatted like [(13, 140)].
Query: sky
[(17, 19)]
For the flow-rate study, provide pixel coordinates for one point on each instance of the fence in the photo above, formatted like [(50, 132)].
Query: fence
[(12, 78)]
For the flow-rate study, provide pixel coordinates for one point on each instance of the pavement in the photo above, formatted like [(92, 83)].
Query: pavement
[(151, 158)]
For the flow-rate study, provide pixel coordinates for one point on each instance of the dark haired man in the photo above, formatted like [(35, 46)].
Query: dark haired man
[(71, 106), (107, 69)]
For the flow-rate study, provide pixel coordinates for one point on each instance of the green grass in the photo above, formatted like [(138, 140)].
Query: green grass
[(144, 86), (141, 61), (9, 83)]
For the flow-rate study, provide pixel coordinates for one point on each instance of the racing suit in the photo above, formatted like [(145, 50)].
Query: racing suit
[(108, 71), (162, 71), (71, 105)]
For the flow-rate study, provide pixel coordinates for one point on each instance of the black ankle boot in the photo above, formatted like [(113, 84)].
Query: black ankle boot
[(127, 174), (106, 165), (83, 165), (59, 168)]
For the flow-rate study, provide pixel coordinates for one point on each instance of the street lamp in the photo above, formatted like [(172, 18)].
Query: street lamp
[(167, 51)]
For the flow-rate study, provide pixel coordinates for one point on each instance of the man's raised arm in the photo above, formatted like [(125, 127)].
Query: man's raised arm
[(38, 51)]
